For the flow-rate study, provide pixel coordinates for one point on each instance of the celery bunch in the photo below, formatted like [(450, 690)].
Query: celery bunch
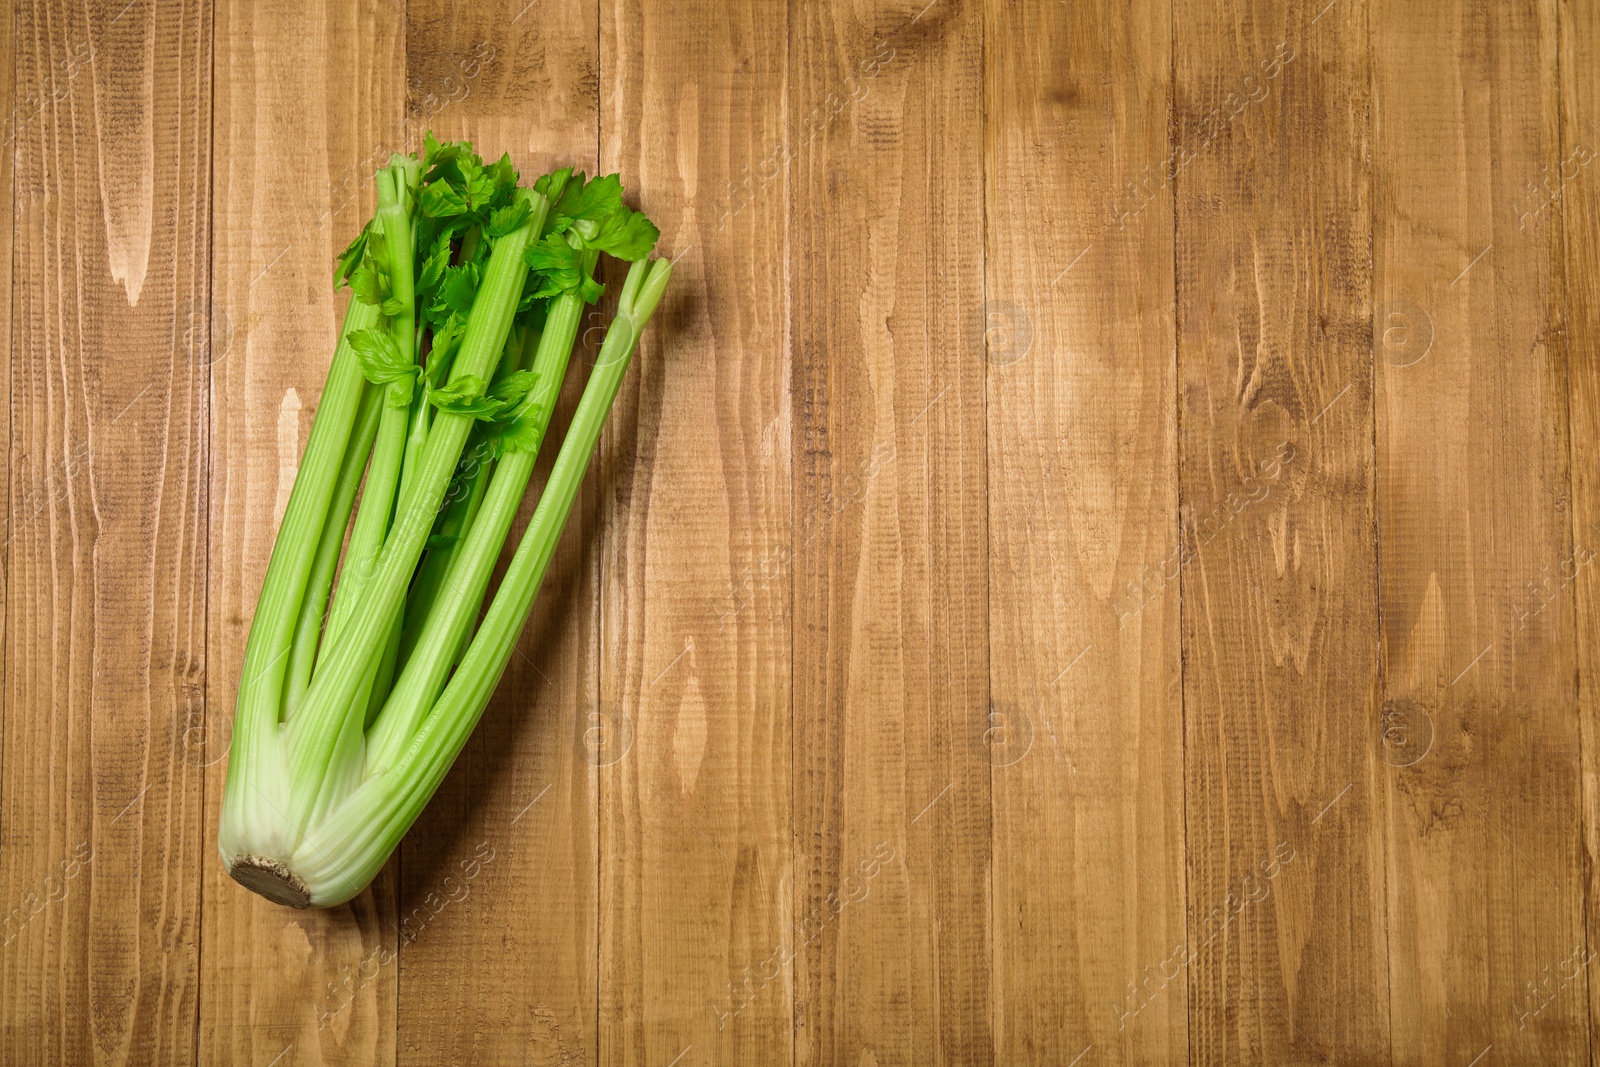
[(367, 665)]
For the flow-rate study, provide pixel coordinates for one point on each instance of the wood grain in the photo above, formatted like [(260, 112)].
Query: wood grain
[(303, 116), (1578, 33), (1086, 731), (106, 586), (892, 795), (13, 984), (1283, 805), (1472, 474), (696, 850), (523, 793), (1091, 563)]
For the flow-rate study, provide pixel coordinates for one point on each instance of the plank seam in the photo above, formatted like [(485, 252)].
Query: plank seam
[(995, 1038), (1380, 680), (597, 617), (1177, 497), (1563, 261), (397, 884), (211, 433), (11, 340), (794, 733)]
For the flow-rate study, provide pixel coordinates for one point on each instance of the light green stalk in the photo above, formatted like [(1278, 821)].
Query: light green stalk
[(302, 653), (377, 502), (450, 612), (463, 510), (329, 764), (345, 850), (314, 735), (256, 794)]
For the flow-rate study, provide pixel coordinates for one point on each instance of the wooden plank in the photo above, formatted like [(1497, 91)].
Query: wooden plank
[(10, 896), (307, 105), (1485, 888), (106, 583), (695, 643), (1283, 807), (1579, 207), (890, 601), (1087, 730), (502, 965)]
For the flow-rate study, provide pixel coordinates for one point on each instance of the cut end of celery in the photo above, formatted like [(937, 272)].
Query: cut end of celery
[(272, 880)]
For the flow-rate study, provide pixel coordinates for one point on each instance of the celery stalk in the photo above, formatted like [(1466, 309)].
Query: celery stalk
[(364, 676)]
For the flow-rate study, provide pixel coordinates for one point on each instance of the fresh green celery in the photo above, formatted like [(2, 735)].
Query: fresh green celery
[(353, 842), (314, 734), (352, 707), (302, 653), (256, 790), (452, 608), (395, 197)]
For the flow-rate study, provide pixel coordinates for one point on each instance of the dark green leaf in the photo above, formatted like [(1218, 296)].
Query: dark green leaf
[(559, 267), (532, 309), (505, 219), (482, 191), (435, 155), (535, 317), (553, 185), (565, 208), (351, 257), (367, 286), (598, 200), (433, 267), (503, 170), (553, 255), (383, 364), (626, 235), (379, 356), (459, 288), (465, 396), (440, 199), (522, 434), (505, 180), (513, 387), (446, 338), (477, 185), (378, 252)]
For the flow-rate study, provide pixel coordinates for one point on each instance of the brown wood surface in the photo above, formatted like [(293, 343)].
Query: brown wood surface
[(1094, 561), (890, 537), (1284, 834), (1578, 34), (13, 985), (506, 853), (1085, 735), (106, 544), (695, 823), (1473, 509)]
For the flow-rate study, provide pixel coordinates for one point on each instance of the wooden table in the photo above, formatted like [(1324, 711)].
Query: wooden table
[(1090, 566)]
